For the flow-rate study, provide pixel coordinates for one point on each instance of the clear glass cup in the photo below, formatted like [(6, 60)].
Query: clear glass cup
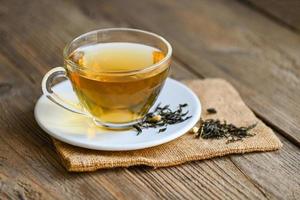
[(126, 88)]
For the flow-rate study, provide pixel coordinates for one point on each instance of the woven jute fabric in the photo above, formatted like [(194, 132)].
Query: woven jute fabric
[(216, 93)]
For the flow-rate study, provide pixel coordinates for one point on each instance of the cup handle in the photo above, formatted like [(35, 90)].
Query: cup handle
[(47, 84)]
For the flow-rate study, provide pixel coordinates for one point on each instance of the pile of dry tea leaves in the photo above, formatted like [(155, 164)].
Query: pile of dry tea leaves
[(215, 129), (162, 116)]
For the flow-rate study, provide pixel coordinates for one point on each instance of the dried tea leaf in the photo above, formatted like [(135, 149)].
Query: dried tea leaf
[(162, 130), (211, 110), (138, 129)]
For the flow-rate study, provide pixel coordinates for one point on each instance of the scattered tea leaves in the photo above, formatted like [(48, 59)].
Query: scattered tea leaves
[(161, 117), (211, 110), (215, 129)]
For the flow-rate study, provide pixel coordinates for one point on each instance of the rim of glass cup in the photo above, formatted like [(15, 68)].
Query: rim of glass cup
[(146, 69)]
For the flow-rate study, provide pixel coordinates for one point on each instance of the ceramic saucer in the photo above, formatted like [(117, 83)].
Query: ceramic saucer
[(80, 131)]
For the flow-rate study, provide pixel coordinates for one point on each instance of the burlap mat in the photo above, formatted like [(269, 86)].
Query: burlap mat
[(215, 93)]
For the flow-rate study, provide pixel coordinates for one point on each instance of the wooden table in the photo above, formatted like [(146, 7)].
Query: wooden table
[(258, 51)]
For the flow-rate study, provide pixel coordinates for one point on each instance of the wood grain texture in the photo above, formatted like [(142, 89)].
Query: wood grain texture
[(271, 169), (32, 36), (287, 11), (226, 39)]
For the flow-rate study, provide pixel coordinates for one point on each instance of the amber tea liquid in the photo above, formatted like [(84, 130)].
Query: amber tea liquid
[(104, 86)]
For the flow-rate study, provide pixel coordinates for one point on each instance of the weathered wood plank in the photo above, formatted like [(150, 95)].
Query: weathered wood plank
[(29, 166), (226, 39), (270, 172), (33, 153), (287, 11)]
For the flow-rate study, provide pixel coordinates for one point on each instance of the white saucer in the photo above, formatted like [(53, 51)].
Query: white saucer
[(80, 131)]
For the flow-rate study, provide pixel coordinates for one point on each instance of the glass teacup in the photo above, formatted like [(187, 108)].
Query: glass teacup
[(117, 75)]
